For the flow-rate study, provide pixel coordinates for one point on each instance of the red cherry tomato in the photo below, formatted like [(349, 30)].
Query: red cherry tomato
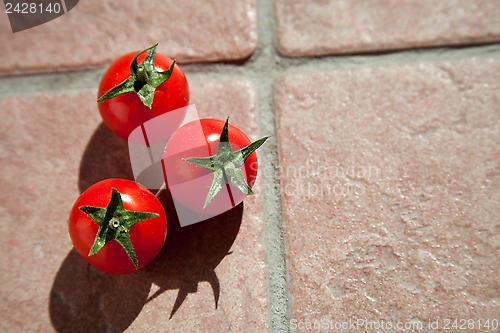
[(123, 113), (190, 183), (140, 219)]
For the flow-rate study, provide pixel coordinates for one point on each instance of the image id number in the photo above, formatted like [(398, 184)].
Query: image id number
[(32, 8)]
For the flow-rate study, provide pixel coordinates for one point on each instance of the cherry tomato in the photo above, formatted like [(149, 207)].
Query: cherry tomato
[(210, 165), (118, 226), (125, 110)]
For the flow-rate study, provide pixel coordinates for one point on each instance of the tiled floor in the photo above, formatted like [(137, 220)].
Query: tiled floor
[(378, 192)]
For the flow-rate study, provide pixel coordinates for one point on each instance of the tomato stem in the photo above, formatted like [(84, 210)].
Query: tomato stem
[(114, 223), (142, 78)]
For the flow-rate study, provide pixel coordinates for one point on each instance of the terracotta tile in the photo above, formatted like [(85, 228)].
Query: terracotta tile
[(390, 179), (324, 27), (53, 146), (95, 32)]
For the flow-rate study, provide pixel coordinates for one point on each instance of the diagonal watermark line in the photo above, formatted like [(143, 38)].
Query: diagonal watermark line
[(146, 140), (65, 9)]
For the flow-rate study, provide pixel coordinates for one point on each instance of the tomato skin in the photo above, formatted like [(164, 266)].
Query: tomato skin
[(189, 184), (147, 236), (123, 113)]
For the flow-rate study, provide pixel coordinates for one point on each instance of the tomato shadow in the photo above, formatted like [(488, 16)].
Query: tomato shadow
[(106, 156), (192, 253), (83, 299)]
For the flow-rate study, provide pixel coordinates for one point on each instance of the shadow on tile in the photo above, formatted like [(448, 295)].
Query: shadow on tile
[(192, 253), (106, 156), (82, 299)]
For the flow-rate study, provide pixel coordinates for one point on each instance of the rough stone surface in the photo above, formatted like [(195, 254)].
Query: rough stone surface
[(324, 27), (389, 167), (390, 179), (95, 32), (210, 276)]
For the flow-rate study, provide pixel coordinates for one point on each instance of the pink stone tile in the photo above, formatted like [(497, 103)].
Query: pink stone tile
[(239, 270), (390, 179), (52, 146), (233, 98), (324, 27), (95, 32), (42, 141)]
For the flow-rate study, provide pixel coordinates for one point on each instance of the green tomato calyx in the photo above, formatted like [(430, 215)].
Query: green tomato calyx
[(114, 223), (227, 164), (143, 79)]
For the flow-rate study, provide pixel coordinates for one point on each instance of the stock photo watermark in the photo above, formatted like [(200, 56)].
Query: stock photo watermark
[(156, 163), (381, 325), (154, 166), (324, 181)]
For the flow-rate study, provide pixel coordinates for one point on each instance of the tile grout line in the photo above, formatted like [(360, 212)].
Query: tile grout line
[(278, 296), (86, 79)]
